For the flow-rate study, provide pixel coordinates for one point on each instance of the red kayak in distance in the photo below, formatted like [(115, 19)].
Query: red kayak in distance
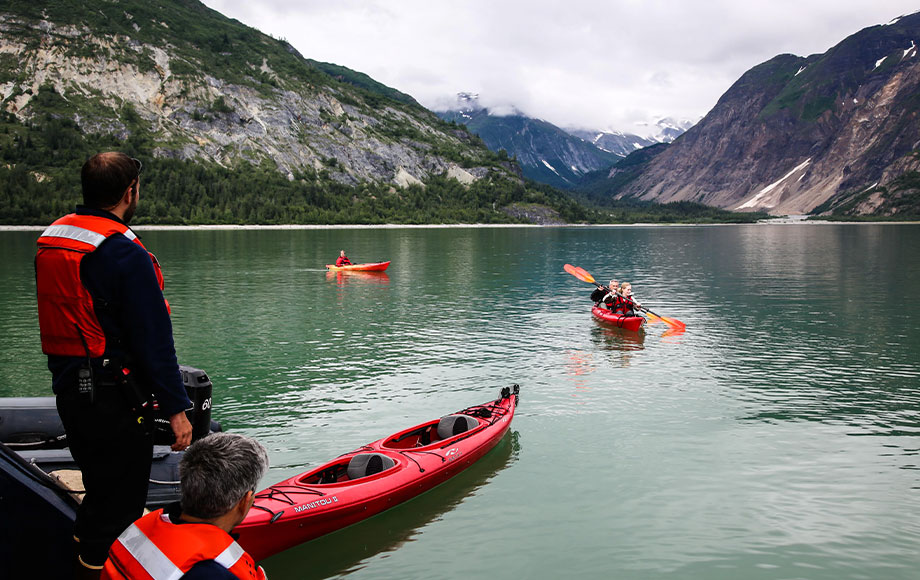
[(633, 323), (373, 478), (375, 267)]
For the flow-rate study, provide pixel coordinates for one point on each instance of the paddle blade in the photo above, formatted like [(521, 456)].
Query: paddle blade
[(572, 270), (585, 275), (674, 323), (670, 332), (579, 273)]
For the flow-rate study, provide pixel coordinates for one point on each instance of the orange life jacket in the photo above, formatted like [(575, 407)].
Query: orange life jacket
[(66, 316), (155, 548)]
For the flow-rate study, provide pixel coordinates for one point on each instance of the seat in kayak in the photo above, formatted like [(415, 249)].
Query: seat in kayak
[(368, 464), (451, 425)]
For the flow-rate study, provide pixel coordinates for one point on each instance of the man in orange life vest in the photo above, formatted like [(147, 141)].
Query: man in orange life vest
[(106, 330), (191, 539)]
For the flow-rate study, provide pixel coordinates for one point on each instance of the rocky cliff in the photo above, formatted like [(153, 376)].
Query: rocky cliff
[(208, 88), (796, 135)]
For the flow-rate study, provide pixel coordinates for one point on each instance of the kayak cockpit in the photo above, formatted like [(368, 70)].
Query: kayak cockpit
[(349, 469), (364, 465), (433, 432)]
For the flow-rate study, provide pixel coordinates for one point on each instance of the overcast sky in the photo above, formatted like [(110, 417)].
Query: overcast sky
[(597, 64)]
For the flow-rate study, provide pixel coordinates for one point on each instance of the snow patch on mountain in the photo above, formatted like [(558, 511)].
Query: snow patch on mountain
[(551, 168), (760, 200)]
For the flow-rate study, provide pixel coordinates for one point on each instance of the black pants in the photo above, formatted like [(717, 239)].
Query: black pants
[(113, 450)]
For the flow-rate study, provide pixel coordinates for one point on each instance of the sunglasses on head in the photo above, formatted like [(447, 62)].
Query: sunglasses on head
[(138, 164)]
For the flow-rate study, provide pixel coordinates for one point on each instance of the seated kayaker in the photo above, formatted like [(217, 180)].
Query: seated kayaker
[(342, 260), (612, 295), (627, 304), (601, 294)]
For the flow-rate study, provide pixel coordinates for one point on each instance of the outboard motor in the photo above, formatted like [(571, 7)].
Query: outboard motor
[(199, 387), (33, 422)]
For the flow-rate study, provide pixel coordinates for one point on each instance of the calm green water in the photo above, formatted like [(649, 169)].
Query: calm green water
[(777, 438)]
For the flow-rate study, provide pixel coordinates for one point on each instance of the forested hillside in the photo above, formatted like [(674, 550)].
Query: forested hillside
[(233, 125), (40, 180)]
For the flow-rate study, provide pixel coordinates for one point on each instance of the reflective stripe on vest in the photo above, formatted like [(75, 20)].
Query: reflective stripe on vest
[(155, 547), (66, 311), (229, 557), (79, 234), (148, 555)]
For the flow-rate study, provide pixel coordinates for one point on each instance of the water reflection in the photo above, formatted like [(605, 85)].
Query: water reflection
[(579, 366), (343, 277), (621, 343), (613, 338), (810, 325), (348, 550)]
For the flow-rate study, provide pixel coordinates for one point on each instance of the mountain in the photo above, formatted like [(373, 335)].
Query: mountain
[(233, 125), (545, 152), (622, 144), (833, 132), (669, 129)]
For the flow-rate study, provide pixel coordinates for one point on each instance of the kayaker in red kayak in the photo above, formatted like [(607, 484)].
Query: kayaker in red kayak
[(342, 260), (608, 295), (613, 295), (627, 303)]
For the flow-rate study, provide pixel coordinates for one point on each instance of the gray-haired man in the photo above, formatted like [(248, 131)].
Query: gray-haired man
[(191, 540)]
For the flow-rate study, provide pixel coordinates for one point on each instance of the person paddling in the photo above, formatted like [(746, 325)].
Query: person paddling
[(342, 260), (628, 304), (612, 296), (601, 293)]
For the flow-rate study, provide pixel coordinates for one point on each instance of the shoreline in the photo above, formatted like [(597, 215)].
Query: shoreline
[(220, 227)]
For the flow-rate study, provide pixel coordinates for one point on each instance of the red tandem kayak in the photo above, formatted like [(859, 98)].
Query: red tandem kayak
[(633, 323), (373, 478), (375, 267)]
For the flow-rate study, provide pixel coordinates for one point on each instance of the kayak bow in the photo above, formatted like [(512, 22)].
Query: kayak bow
[(633, 323)]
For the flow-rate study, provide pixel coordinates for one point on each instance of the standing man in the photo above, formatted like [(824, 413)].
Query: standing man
[(191, 539), (106, 330)]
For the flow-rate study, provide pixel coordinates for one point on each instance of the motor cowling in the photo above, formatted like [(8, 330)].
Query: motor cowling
[(199, 388)]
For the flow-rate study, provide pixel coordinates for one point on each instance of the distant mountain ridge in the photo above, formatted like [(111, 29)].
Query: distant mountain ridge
[(545, 152), (838, 131), (665, 131), (620, 144)]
